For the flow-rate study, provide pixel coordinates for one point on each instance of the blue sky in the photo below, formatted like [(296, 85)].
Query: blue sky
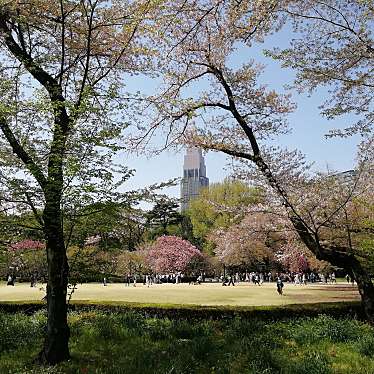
[(308, 128)]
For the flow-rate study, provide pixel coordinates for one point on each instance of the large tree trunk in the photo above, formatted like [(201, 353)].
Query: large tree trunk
[(342, 258), (55, 347), (366, 289)]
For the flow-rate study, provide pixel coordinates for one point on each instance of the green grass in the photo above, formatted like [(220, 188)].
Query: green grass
[(129, 343), (205, 294)]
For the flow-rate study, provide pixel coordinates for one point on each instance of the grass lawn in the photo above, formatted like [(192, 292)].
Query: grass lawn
[(121, 343), (206, 294), (127, 342)]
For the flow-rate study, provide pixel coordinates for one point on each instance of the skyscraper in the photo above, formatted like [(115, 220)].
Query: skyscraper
[(194, 176)]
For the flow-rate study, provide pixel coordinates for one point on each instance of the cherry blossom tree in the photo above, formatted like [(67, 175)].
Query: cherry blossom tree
[(27, 259), (336, 41), (170, 254), (208, 103), (245, 244), (294, 260)]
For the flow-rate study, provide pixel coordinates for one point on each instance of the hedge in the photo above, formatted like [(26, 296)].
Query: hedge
[(195, 312)]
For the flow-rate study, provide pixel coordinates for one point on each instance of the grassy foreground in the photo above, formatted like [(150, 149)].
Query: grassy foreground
[(129, 343)]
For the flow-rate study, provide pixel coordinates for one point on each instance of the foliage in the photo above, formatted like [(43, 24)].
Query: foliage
[(27, 244), (217, 208), (301, 345), (245, 244), (343, 31), (295, 261), (171, 254), (26, 259), (164, 214), (134, 262)]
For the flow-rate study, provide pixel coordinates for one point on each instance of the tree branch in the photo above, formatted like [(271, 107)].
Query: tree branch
[(22, 154)]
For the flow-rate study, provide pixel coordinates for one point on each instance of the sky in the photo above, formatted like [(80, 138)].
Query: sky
[(307, 124)]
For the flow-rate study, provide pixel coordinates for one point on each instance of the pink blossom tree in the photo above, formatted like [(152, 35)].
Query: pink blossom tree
[(173, 254), (27, 259), (295, 261)]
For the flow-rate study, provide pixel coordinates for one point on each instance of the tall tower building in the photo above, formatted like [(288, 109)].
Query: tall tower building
[(194, 176)]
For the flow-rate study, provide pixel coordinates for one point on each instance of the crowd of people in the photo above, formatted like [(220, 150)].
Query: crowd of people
[(258, 278), (227, 279), (230, 279)]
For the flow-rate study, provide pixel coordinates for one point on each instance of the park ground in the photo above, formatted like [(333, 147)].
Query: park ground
[(208, 294), (121, 340)]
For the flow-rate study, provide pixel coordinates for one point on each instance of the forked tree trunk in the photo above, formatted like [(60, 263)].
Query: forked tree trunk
[(55, 348)]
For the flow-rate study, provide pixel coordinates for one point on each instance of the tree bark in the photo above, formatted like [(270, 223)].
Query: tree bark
[(55, 348), (366, 289)]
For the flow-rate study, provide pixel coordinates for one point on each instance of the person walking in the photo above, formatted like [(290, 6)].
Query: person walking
[(280, 286), (231, 280)]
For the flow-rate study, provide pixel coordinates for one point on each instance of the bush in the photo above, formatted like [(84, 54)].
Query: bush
[(312, 363), (313, 330), (18, 329), (119, 342), (365, 345)]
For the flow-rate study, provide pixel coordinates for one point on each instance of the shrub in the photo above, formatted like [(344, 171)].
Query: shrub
[(312, 363), (365, 345), (18, 329)]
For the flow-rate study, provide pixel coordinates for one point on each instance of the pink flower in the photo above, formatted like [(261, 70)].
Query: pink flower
[(27, 244)]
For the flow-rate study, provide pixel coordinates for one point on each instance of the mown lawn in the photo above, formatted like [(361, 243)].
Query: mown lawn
[(243, 294), (129, 343)]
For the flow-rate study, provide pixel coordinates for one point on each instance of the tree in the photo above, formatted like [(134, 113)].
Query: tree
[(27, 259), (164, 213), (133, 262), (237, 116), (110, 224), (336, 41), (295, 261), (170, 254), (216, 208), (62, 68)]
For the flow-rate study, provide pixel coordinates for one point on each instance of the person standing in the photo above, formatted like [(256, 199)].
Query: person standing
[(10, 280), (134, 280), (333, 278), (128, 280)]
